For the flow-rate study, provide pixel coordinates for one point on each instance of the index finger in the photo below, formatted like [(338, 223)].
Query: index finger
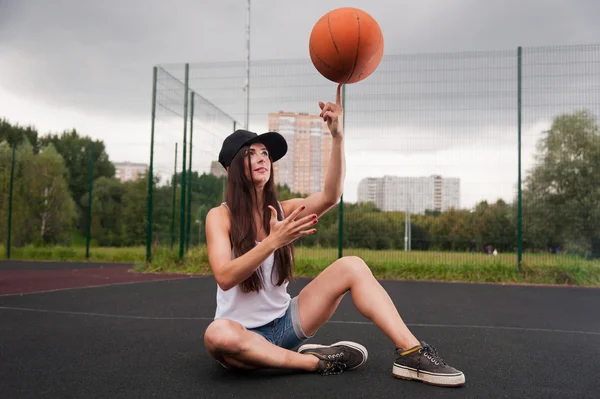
[(338, 95)]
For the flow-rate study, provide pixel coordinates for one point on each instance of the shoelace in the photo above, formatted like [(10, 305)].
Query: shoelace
[(432, 354), (335, 363), (333, 367), (336, 357)]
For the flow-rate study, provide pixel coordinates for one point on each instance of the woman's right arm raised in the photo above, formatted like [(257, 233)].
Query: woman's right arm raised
[(230, 273)]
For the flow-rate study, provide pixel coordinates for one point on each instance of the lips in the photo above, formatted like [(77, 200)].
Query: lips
[(260, 170)]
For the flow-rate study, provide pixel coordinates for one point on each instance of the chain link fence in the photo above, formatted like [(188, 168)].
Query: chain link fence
[(447, 154), (450, 157)]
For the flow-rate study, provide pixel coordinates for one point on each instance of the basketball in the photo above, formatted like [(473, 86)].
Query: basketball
[(346, 45)]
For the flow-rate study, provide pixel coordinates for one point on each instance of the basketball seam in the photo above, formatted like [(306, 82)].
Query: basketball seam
[(357, 47), (331, 34), (372, 55), (324, 63)]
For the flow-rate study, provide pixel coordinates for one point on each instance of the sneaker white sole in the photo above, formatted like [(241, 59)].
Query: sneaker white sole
[(351, 344), (445, 380)]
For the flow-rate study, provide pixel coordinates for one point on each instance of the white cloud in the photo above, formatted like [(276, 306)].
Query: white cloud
[(487, 170), (126, 139)]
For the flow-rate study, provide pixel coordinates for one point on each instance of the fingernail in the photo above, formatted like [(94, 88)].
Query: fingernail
[(314, 216), (303, 207), (315, 221)]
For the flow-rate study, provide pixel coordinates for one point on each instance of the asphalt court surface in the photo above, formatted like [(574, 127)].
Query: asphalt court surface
[(142, 339)]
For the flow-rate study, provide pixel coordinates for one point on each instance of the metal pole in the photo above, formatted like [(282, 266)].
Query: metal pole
[(519, 200), (406, 231), (183, 175), (247, 122), (409, 233), (341, 207), (174, 183), (189, 193), (408, 228), (406, 220), (89, 213), (151, 172), (10, 195)]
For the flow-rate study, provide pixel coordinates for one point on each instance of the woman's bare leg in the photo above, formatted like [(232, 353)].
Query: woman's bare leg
[(230, 343), (320, 298)]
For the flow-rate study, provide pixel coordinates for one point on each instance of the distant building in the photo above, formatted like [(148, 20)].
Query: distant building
[(216, 169), (129, 171), (309, 141), (416, 194)]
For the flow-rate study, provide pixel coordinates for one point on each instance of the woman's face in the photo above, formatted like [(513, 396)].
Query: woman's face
[(260, 164)]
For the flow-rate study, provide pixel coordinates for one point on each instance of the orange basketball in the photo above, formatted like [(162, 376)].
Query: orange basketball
[(346, 45)]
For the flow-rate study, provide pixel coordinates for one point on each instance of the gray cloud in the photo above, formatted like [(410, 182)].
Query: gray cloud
[(92, 61), (99, 55)]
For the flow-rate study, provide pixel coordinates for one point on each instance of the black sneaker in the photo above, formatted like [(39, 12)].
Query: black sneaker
[(423, 363), (338, 357)]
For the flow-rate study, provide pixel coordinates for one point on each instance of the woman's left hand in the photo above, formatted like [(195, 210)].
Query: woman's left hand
[(332, 114)]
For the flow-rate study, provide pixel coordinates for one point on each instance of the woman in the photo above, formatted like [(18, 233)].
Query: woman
[(250, 237)]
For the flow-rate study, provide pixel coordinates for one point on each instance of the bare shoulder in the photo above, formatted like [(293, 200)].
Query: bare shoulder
[(217, 226), (219, 217)]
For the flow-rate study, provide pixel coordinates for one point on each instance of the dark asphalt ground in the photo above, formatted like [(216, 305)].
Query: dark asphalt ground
[(145, 340)]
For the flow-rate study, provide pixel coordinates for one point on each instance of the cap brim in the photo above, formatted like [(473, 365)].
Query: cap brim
[(275, 143)]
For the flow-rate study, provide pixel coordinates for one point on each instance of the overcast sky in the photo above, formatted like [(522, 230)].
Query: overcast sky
[(88, 65)]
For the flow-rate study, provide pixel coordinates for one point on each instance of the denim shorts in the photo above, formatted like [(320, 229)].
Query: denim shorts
[(285, 331)]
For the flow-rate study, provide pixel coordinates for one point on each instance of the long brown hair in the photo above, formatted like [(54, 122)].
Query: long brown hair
[(241, 196)]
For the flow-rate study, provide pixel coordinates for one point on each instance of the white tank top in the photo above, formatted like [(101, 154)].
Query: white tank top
[(254, 309)]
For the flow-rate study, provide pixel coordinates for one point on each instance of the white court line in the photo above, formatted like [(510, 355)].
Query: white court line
[(480, 327), (116, 316), (467, 326), (183, 277)]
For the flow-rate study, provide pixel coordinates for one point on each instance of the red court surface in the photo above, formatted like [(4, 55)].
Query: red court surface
[(24, 279)]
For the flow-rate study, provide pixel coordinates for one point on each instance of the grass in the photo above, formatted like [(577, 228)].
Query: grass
[(77, 254), (392, 264)]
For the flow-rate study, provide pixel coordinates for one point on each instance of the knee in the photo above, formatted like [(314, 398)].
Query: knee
[(355, 267), (222, 335)]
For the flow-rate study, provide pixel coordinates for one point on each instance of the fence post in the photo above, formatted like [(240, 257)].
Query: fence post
[(519, 200), (189, 191), (341, 207), (10, 195), (183, 174), (151, 173), (174, 183), (89, 213)]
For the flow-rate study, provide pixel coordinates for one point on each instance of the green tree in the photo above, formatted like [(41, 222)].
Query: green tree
[(284, 193), (134, 210), (52, 209), (562, 191), (75, 150), (5, 163), (107, 211), (450, 230), (23, 231), (43, 211), (494, 225), (15, 134)]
